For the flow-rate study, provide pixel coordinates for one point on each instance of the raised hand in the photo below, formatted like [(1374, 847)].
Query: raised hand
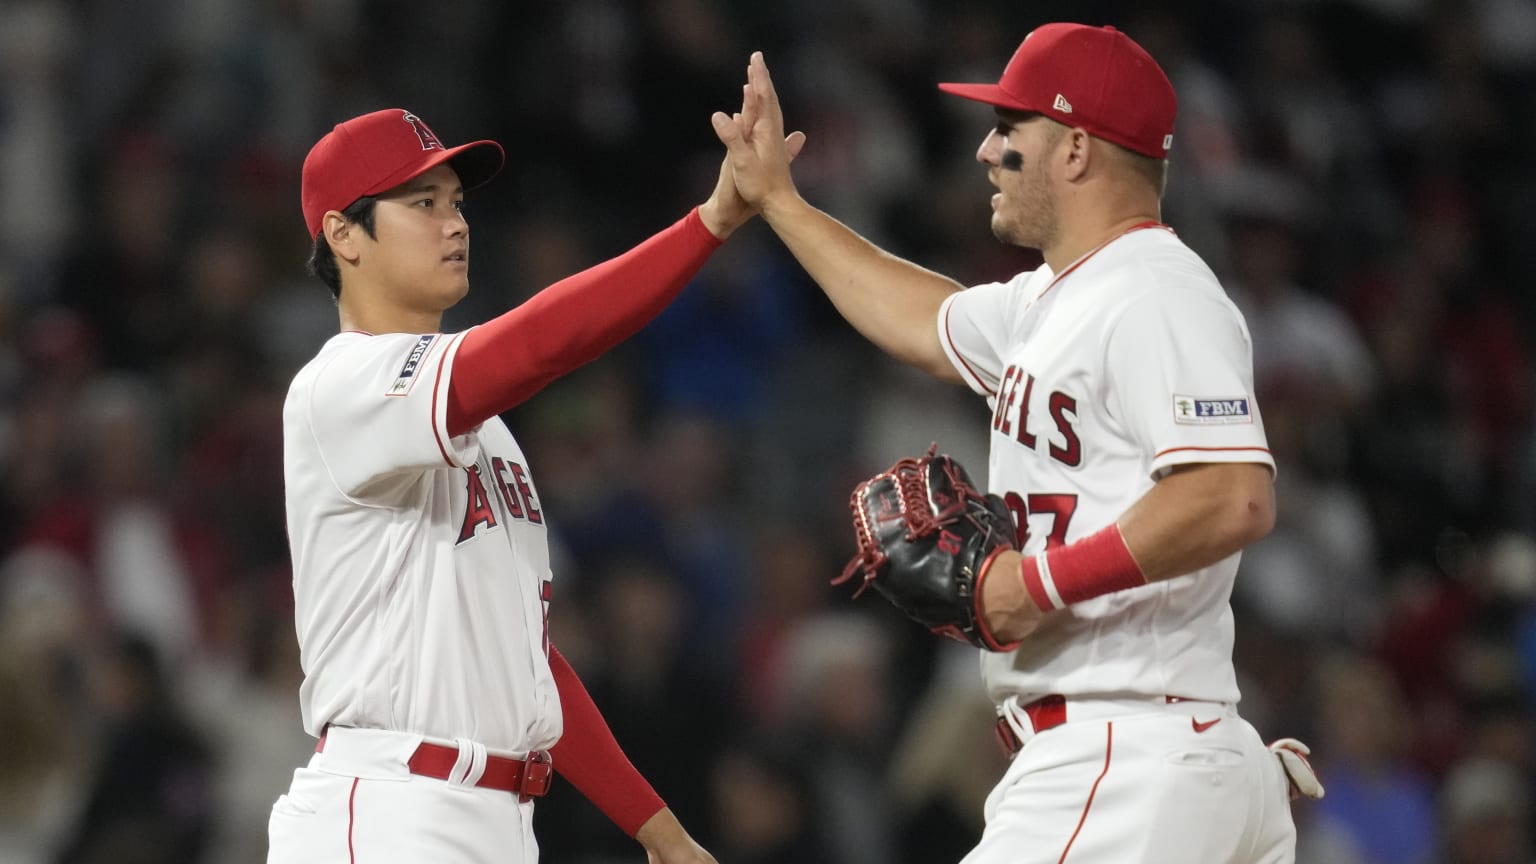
[(757, 150), (726, 210)]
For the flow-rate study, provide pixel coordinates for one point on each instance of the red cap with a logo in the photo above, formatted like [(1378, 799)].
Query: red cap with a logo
[(1093, 77), (376, 152)]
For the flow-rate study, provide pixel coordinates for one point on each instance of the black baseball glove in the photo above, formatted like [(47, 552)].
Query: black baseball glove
[(926, 536)]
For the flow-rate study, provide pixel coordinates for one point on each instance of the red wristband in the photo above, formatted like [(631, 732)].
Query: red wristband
[(1098, 564)]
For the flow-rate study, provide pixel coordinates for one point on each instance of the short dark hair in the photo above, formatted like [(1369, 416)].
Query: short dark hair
[(322, 261)]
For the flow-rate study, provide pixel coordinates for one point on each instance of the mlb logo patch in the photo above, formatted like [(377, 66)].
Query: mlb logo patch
[(1207, 411), (407, 377)]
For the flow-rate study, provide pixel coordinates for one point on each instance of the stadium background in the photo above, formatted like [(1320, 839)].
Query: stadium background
[(1359, 173)]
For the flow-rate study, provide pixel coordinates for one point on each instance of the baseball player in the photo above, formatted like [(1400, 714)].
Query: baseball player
[(1125, 441), (420, 553)]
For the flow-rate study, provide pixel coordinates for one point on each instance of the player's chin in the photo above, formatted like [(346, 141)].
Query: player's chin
[(452, 288), (1013, 233), (1003, 231)]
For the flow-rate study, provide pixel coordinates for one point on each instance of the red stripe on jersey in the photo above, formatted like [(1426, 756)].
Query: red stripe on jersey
[(1163, 453), (351, 820), (1109, 740), (974, 374), (436, 388)]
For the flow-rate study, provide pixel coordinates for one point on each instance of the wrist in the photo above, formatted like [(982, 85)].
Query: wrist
[(1004, 612), (779, 204), (718, 222), (1096, 565), (660, 831)]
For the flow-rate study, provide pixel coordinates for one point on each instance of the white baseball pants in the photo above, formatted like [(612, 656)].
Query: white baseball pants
[(357, 803), (1140, 781)]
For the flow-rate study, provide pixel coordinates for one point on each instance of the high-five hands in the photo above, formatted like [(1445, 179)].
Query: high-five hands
[(759, 121), (758, 152)]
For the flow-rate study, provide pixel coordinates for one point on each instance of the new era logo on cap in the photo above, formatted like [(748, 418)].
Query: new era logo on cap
[(1119, 93), (376, 152)]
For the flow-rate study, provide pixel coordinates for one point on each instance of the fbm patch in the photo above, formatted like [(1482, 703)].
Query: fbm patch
[(1215, 412), (407, 379)]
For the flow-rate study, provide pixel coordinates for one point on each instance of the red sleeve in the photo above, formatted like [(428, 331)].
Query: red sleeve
[(511, 357), (589, 757)]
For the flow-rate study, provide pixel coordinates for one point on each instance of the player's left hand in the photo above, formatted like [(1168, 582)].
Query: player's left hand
[(927, 538), (666, 842)]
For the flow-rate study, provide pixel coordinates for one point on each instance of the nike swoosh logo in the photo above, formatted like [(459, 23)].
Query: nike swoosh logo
[(1201, 727)]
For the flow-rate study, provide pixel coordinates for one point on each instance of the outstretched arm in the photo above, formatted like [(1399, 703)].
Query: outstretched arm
[(578, 319), (892, 302), (572, 322)]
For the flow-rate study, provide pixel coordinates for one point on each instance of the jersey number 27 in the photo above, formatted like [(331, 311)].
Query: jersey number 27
[(1060, 506)]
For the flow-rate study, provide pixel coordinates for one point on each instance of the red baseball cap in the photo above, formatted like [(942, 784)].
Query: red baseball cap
[(377, 152), (1093, 77)]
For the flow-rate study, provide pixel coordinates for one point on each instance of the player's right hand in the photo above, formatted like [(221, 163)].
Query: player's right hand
[(757, 150), (726, 210)]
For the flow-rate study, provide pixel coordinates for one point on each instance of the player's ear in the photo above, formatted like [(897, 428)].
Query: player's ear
[(1076, 152), (341, 235)]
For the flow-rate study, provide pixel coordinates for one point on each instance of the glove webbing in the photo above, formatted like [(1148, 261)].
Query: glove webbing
[(910, 476)]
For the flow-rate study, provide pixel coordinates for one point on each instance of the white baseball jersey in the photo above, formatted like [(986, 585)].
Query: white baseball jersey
[(1129, 362), (420, 563)]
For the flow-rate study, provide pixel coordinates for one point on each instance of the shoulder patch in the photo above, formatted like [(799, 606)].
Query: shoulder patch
[(1208, 411), (407, 377)]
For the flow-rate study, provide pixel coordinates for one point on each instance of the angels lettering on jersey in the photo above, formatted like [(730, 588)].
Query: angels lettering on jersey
[(1059, 441), (508, 484), (1062, 443)]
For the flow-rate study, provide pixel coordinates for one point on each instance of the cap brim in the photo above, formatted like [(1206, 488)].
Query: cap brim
[(477, 162), (990, 94)]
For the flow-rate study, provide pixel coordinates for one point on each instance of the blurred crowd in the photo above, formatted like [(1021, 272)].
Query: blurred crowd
[(1358, 173)]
